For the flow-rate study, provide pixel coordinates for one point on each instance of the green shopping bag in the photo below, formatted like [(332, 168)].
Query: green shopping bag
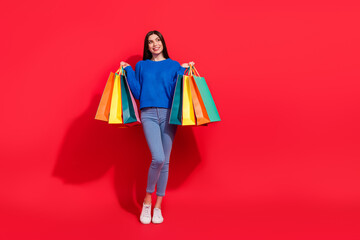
[(207, 98), (176, 108), (127, 105)]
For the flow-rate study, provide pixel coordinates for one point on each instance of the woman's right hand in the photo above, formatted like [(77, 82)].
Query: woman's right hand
[(124, 64)]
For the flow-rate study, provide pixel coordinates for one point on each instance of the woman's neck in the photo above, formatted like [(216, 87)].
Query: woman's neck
[(159, 57)]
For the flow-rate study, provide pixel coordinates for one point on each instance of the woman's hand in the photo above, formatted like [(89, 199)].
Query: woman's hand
[(124, 64), (186, 65)]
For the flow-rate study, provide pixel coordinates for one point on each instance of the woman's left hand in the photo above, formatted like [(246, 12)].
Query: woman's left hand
[(186, 65)]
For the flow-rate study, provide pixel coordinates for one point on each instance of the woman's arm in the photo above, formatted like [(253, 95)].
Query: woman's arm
[(133, 78)]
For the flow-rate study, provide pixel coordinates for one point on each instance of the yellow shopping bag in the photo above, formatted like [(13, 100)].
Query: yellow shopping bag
[(116, 106), (188, 116)]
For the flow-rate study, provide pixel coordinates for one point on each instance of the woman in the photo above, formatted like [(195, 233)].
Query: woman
[(153, 83)]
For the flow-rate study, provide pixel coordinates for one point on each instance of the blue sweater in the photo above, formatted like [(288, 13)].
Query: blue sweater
[(153, 82)]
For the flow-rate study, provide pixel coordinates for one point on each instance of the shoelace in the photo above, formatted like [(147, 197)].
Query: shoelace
[(147, 211)]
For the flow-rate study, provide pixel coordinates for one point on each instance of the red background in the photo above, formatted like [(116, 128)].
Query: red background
[(282, 164)]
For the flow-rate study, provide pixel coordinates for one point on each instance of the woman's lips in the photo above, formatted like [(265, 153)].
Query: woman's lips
[(155, 49)]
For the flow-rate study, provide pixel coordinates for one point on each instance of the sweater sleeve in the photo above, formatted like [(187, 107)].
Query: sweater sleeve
[(180, 70), (134, 79)]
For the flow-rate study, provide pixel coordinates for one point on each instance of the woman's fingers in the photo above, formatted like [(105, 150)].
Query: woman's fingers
[(124, 64)]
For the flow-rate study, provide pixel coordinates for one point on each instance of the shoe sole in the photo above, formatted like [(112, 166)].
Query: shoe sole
[(145, 222), (157, 222)]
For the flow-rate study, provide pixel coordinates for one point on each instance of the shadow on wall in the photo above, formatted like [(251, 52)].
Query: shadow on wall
[(92, 147)]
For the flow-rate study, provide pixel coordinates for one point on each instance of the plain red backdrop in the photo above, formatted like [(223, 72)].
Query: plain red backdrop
[(282, 164)]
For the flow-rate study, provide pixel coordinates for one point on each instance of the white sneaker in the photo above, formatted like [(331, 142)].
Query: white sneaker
[(157, 217), (145, 216)]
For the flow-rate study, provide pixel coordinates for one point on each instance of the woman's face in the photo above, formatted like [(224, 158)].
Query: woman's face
[(155, 44)]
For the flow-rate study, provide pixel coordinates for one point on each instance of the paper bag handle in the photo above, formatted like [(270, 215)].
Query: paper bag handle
[(193, 70), (120, 71)]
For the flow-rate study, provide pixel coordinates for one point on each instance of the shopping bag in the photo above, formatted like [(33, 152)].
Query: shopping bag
[(199, 107), (176, 107), (103, 110), (188, 116), (128, 111), (129, 107), (116, 102), (206, 97), (135, 107), (192, 101)]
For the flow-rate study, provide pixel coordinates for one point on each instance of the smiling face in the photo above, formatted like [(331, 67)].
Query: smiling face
[(155, 44)]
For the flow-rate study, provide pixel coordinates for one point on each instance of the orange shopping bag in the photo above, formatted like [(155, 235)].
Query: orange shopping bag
[(199, 107), (103, 110)]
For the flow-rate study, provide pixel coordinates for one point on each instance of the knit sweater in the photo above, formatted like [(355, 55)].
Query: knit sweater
[(153, 82)]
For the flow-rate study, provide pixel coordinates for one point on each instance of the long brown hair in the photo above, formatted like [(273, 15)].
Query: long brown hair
[(147, 54)]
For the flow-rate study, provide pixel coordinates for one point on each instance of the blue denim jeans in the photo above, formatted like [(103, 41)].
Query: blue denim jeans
[(159, 135)]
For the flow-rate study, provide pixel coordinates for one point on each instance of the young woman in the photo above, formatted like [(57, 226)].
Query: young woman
[(153, 83)]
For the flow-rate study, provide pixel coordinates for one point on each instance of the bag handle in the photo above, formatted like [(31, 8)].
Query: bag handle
[(186, 72), (120, 71), (193, 71)]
